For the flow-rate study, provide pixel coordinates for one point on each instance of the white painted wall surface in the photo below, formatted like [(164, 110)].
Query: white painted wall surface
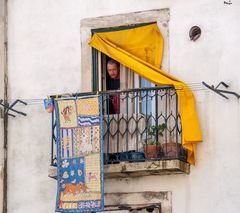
[(44, 58)]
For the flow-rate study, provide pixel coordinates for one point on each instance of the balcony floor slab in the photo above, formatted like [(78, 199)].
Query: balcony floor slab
[(133, 169)]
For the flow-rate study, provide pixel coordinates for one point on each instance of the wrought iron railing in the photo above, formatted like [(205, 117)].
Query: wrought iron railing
[(138, 125)]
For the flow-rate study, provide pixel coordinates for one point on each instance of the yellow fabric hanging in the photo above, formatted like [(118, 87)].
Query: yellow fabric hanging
[(141, 50)]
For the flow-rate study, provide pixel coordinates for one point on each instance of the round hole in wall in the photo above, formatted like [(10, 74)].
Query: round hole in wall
[(195, 33)]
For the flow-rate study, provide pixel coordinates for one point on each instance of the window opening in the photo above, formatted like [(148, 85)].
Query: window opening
[(99, 60)]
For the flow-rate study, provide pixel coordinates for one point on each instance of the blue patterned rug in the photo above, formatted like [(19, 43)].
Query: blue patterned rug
[(80, 181)]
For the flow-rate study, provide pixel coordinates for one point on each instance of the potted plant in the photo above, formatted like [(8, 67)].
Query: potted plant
[(173, 149), (152, 147)]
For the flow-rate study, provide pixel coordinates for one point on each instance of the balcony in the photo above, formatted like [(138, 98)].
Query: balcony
[(141, 133)]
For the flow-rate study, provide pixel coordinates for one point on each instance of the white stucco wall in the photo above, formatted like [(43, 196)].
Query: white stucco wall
[(45, 58)]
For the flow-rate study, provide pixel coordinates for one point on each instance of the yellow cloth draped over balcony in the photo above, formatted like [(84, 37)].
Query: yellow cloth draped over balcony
[(141, 50)]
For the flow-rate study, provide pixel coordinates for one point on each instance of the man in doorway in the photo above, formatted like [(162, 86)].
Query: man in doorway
[(113, 83)]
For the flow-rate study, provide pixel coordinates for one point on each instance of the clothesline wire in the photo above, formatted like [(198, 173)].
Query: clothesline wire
[(31, 102), (34, 101)]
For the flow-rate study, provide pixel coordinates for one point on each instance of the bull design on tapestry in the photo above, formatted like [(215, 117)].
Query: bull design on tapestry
[(79, 155)]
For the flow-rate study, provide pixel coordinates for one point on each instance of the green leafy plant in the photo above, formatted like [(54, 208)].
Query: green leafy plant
[(153, 131)]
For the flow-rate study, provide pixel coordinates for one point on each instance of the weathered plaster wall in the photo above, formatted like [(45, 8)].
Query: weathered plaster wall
[(45, 58)]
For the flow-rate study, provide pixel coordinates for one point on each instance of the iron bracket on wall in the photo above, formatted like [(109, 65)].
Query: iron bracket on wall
[(220, 91), (7, 108)]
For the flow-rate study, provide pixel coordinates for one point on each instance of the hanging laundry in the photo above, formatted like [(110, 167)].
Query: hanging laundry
[(48, 105)]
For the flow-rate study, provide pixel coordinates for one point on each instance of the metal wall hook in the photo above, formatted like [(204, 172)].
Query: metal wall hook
[(220, 91), (222, 83), (8, 107)]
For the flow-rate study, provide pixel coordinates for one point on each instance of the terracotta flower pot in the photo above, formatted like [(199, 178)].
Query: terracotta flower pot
[(152, 151), (174, 150)]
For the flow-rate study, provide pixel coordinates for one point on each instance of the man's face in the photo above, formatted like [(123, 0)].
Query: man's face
[(112, 70)]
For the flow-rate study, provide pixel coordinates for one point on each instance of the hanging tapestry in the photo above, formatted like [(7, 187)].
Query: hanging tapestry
[(80, 183)]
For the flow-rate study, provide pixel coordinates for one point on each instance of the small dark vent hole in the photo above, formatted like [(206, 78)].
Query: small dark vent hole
[(194, 33)]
